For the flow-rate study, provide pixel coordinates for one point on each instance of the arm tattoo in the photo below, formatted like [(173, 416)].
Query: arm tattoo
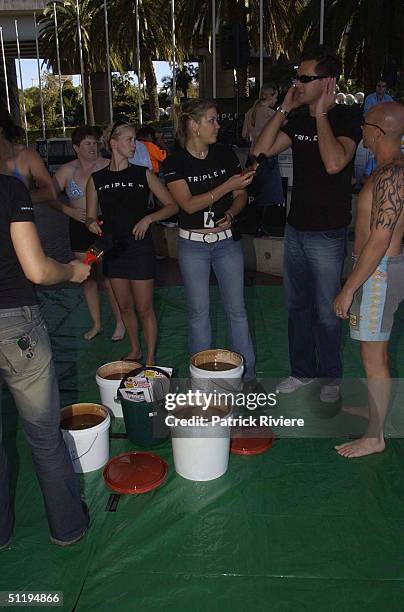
[(388, 196)]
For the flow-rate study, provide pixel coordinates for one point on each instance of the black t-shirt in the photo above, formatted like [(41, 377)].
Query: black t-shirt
[(201, 176), (320, 201), (15, 206), (123, 196)]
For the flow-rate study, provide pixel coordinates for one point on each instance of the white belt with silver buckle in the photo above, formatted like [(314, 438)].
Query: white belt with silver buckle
[(209, 237)]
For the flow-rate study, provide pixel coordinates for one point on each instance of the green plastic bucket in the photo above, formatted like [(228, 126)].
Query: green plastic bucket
[(144, 421)]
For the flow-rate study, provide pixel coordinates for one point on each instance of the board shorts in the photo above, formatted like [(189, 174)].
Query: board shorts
[(371, 315)]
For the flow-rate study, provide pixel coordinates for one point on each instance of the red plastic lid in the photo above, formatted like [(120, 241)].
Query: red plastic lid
[(250, 446), (135, 472)]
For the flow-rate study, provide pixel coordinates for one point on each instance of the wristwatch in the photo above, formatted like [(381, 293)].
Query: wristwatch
[(283, 111)]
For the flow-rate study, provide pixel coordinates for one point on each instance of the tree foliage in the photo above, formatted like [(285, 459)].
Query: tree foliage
[(186, 80), (368, 33)]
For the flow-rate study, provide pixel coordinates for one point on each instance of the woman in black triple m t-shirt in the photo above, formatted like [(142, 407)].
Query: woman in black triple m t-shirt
[(122, 191), (205, 180)]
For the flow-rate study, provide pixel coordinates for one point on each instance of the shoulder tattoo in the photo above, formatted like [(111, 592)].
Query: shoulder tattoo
[(388, 196)]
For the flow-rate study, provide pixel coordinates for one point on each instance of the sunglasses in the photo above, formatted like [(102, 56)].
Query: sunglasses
[(118, 124), (307, 78), (373, 125)]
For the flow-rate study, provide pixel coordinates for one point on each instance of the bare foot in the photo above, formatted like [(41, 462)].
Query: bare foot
[(362, 411), (132, 357), (361, 448), (92, 333), (150, 360), (119, 332)]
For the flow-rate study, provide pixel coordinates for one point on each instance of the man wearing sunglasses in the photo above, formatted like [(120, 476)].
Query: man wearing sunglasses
[(375, 288), (323, 136), (377, 97)]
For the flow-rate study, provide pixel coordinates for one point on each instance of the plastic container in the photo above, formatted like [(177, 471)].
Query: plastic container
[(89, 447), (201, 452), (135, 472), (109, 388), (225, 381), (144, 421), (250, 446)]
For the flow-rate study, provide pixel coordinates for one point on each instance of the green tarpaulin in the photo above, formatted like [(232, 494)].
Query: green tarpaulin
[(296, 528)]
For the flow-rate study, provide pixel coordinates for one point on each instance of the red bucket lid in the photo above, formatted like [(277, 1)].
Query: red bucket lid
[(250, 446), (135, 472)]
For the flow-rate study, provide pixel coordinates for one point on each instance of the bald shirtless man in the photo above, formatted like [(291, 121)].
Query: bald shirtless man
[(375, 288)]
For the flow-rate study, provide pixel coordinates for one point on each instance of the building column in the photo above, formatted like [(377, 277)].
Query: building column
[(12, 88), (99, 86), (224, 78)]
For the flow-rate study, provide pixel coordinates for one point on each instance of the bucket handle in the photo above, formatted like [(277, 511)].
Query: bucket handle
[(87, 451)]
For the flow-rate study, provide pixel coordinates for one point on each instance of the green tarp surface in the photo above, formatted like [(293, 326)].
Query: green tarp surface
[(296, 528)]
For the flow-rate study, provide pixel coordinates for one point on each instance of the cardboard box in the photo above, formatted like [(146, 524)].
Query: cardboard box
[(148, 386)]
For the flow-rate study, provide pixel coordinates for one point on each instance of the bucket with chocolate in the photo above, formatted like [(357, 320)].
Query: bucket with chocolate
[(85, 429), (217, 369), (109, 377)]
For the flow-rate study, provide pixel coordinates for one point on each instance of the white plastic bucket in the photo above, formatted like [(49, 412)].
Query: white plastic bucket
[(109, 388), (88, 448), (201, 453), (229, 380)]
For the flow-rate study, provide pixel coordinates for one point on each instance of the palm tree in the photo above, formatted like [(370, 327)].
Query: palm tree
[(185, 76), (368, 34), (154, 35), (195, 24), (92, 37)]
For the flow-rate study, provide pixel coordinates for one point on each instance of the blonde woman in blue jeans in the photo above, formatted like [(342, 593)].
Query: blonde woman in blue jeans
[(206, 181)]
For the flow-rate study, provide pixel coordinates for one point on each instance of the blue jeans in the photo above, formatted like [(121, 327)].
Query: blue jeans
[(313, 264), (226, 259), (33, 384)]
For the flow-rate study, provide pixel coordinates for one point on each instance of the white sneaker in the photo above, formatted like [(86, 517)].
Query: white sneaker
[(6, 545), (291, 384), (330, 394)]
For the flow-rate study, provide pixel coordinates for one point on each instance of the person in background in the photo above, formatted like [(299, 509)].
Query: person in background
[(267, 184), (371, 162), (141, 156), (157, 153), (147, 136), (260, 112), (370, 166), (323, 137), (377, 97), (26, 367), (21, 162), (72, 179), (206, 181), (122, 192)]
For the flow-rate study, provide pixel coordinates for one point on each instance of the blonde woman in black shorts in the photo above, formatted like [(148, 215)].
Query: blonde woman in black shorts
[(122, 191)]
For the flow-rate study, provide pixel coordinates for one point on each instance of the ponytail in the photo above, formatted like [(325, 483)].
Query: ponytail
[(190, 110)]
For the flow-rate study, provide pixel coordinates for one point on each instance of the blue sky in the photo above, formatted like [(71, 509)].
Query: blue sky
[(29, 71)]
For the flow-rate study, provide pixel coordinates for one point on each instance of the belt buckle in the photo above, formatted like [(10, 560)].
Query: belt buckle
[(213, 234)]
